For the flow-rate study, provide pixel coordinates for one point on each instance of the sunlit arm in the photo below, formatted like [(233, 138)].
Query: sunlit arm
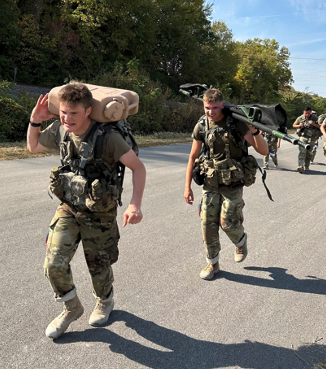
[(133, 214), (194, 154), (257, 142)]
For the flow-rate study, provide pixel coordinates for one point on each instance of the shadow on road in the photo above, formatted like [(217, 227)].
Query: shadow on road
[(280, 280), (179, 351)]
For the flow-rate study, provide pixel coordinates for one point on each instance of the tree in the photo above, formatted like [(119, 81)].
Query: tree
[(219, 58), (263, 71), (10, 33)]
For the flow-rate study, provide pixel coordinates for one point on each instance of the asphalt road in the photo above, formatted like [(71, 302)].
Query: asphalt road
[(265, 313)]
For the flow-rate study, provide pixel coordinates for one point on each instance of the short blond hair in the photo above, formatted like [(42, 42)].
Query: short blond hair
[(213, 95), (76, 93)]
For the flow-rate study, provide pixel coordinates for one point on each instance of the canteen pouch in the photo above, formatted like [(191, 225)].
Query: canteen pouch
[(197, 174), (224, 172), (250, 165), (56, 184), (102, 197)]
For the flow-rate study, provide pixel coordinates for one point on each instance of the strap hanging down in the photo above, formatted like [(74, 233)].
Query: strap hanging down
[(263, 177)]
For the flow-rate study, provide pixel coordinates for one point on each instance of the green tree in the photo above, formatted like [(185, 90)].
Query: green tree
[(219, 58), (10, 32), (263, 71)]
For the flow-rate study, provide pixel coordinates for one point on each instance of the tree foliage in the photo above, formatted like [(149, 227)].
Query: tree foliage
[(263, 71), (150, 46)]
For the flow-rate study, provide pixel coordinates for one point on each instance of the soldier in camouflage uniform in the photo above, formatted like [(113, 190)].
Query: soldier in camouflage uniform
[(322, 122), (315, 147), (221, 204), (309, 131), (273, 143), (71, 224)]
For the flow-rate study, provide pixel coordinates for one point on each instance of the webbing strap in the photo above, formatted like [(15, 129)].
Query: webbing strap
[(263, 177)]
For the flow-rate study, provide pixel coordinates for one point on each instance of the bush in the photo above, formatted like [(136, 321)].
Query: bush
[(14, 120)]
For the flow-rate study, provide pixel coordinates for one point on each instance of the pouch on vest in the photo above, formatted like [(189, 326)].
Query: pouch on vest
[(197, 173), (56, 184), (250, 166), (102, 197), (223, 172)]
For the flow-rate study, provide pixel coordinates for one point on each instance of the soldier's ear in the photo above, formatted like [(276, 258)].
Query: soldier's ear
[(88, 111)]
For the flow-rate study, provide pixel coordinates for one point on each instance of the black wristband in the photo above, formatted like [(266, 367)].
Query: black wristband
[(256, 133), (35, 124)]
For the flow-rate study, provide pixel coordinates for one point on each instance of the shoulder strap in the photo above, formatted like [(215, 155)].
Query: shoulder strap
[(235, 134)]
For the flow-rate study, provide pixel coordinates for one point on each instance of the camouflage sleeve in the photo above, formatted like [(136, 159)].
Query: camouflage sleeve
[(49, 137), (116, 146), (298, 120)]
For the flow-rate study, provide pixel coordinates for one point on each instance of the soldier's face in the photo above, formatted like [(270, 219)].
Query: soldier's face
[(213, 110), (74, 118), (307, 113)]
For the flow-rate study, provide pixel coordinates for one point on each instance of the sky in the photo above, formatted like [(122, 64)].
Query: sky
[(299, 25)]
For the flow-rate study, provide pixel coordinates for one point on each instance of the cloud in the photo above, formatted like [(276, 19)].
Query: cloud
[(310, 9)]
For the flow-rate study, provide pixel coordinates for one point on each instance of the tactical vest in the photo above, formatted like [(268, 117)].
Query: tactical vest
[(227, 171), (308, 131), (85, 181)]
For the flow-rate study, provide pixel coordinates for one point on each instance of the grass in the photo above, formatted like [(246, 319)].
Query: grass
[(18, 150)]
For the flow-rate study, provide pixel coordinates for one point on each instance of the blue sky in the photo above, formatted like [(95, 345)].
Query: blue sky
[(299, 25)]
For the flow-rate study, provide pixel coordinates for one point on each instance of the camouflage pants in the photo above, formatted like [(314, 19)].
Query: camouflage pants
[(306, 156), (221, 208), (99, 234), (272, 152), (314, 151), (324, 148)]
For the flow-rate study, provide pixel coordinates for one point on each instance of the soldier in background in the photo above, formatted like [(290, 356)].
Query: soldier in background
[(315, 147), (309, 131), (273, 143), (322, 122)]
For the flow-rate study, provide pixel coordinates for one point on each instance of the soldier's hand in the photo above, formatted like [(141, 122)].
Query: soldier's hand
[(41, 111), (132, 215), (189, 196)]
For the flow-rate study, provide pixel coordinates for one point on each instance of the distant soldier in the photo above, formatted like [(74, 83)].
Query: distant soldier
[(309, 131), (273, 143), (315, 147), (322, 122)]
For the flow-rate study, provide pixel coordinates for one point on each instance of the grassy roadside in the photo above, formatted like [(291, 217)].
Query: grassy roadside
[(18, 150)]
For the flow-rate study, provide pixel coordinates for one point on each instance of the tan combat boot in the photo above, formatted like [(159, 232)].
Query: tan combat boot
[(102, 311), (72, 310), (211, 269), (241, 250)]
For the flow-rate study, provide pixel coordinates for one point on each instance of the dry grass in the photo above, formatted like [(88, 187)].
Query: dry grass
[(18, 150)]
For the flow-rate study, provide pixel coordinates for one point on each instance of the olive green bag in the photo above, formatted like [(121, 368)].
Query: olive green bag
[(250, 166)]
